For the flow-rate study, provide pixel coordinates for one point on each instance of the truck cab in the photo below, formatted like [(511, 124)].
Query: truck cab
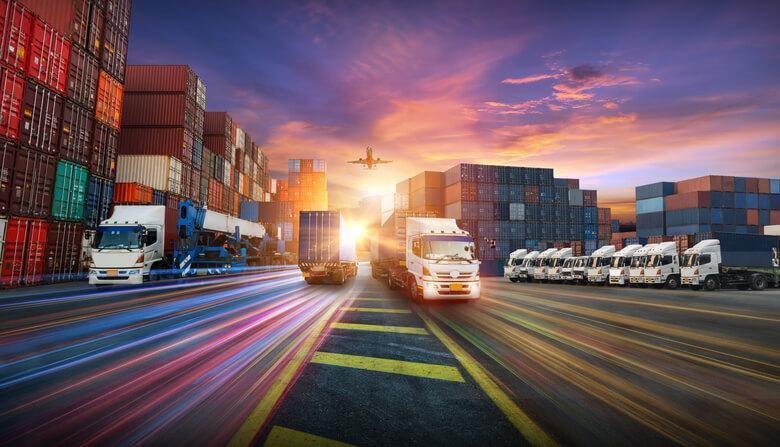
[(126, 245), (542, 263), (738, 262), (578, 269), (598, 264), (568, 267), (513, 263), (621, 263), (636, 272), (663, 266), (441, 260), (557, 261), (526, 270), (701, 265)]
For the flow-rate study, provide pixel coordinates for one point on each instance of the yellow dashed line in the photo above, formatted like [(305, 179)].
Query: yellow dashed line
[(415, 369), (378, 328), (376, 310), (286, 437)]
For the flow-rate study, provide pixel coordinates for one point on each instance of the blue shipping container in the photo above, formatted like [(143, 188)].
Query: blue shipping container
[(739, 184), (774, 202), (687, 229), (158, 197), (763, 201), (688, 216), (653, 205), (740, 200), (740, 250), (100, 192), (751, 200), (250, 210), (774, 186), (653, 190)]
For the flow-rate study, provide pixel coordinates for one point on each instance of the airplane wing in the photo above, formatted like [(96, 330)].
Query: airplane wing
[(379, 160), (359, 161)]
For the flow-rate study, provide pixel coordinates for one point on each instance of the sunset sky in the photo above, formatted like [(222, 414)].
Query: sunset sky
[(617, 95)]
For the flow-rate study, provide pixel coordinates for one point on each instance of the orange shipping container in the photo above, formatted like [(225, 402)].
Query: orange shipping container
[(706, 183), (215, 195), (245, 186), (764, 186), (752, 217), (236, 203), (751, 185), (774, 217), (109, 100), (132, 193)]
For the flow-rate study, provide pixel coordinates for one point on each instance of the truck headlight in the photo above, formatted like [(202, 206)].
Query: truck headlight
[(140, 259), (696, 272), (426, 271), (133, 272)]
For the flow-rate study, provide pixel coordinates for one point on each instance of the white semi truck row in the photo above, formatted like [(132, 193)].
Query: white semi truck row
[(727, 260)]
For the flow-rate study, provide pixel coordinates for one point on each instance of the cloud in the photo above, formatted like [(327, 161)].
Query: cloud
[(572, 96), (530, 79), (610, 105), (619, 119), (582, 73)]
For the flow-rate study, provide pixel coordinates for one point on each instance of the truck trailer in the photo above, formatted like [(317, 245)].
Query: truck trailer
[(326, 254), (732, 260), (430, 258), (136, 244)]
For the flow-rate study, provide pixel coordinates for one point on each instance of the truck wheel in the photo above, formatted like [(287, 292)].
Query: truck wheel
[(710, 283), (390, 284), (513, 279), (411, 290), (758, 282), (672, 282)]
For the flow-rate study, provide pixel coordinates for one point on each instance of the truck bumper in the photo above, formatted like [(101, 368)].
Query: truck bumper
[(443, 291), (620, 280), (636, 280), (122, 276), (690, 280), (653, 280), (597, 278)]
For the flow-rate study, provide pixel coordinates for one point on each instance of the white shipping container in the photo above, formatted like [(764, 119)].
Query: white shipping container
[(226, 173), (231, 153), (273, 186), (3, 224), (257, 192), (201, 94), (770, 230), (453, 210), (239, 137), (516, 211), (287, 231), (267, 197), (160, 172), (249, 165)]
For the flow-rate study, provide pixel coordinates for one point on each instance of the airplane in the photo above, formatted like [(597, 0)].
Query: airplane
[(369, 162)]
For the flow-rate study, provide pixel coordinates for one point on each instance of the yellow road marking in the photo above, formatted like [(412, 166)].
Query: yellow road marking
[(258, 417), (527, 427), (376, 310), (415, 369), (286, 437), (378, 328), (374, 299)]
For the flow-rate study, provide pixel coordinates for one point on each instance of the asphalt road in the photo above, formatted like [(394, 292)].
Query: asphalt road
[(267, 360)]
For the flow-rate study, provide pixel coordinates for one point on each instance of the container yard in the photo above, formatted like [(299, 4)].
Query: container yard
[(348, 224)]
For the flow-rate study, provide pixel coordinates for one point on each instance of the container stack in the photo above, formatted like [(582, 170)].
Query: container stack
[(605, 225), (62, 71), (710, 203), (426, 193)]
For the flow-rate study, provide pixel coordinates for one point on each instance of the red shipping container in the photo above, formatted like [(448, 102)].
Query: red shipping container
[(132, 194), (76, 138), (604, 215), (752, 217), (24, 252), (215, 195), (15, 23), (774, 217), (589, 197), (114, 54), (751, 185), (118, 13), (7, 161), (70, 18), (49, 56), (83, 75), (158, 109), (33, 183), (186, 182), (764, 186), (531, 194), (217, 144), (41, 119), (161, 79), (105, 143), (63, 251), (706, 183), (108, 107), (217, 123), (172, 141), (694, 199), (11, 105)]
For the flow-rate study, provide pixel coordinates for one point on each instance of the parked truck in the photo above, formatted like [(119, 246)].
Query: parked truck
[(434, 260), (526, 270), (326, 253), (732, 260), (663, 266), (619, 269), (137, 243), (513, 264), (636, 272), (598, 265), (579, 270), (567, 269), (541, 264), (556, 264)]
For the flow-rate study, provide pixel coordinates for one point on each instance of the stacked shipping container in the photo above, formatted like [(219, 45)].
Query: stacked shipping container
[(62, 69), (709, 203)]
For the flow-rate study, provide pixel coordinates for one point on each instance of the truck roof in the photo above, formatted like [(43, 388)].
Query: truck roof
[(628, 250), (561, 253), (533, 255), (663, 247), (606, 250), (518, 253), (644, 250), (548, 253), (136, 215), (432, 225), (698, 248)]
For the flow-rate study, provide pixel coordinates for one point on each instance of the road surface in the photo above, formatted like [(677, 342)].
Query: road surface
[(264, 359)]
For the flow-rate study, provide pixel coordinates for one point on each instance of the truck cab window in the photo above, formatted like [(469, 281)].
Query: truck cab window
[(668, 259), (416, 247), (151, 237), (704, 259)]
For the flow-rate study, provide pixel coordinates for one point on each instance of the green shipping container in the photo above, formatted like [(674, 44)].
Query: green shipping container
[(70, 189)]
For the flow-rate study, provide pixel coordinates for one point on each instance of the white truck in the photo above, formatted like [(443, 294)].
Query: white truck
[(526, 270), (541, 264), (598, 264), (513, 263), (137, 242), (567, 269), (557, 262), (439, 262), (579, 270), (733, 260), (619, 273), (663, 266), (636, 272)]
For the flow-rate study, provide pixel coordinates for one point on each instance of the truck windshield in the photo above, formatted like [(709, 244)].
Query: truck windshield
[(453, 248), (689, 260), (658, 260), (619, 261), (517, 261), (128, 237), (638, 261)]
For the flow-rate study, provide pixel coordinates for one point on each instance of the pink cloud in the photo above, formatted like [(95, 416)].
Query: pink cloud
[(530, 79)]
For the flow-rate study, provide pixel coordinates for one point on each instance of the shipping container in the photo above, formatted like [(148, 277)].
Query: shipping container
[(49, 56), (694, 199), (83, 76), (217, 144), (200, 98), (108, 107), (63, 251), (7, 167), (76, 136), (156, 171), (105, 144), (33, 181), (132, 194), (589, 197), (687, 216), (216, 195), (70, 189), (426, 179), (161, 79), (16, 25), (24, 252), (576, 197), (41, 119), (217, 123), (706, 183), (158, 109), (11, 103), (113, 56), (654, 190), (654, 205), (98, 201), (70, 18), (166, 141)]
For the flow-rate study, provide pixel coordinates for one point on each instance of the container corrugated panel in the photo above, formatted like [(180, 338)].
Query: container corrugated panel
[(156, 171), (11, 102), (751, 200), (161, 79), (576, 197), (63, 251), (41, 119), (171, 141), (653, 190), (774, 186), (695, 199), (69, 18), (49, 55), (7, 167), (158, 197), (113, 57), (319, 236), (453, 211), (105, 141), (76, 137), (33, 182), (516, 211), (739, 184), (108, 106), (249, 211), (426, 179), (653, 205), (70, 189), (16, 21), (706, 183), (688, 216), (98, 201), (157, 109), (83, 75), (763, 201), (24, 252)]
